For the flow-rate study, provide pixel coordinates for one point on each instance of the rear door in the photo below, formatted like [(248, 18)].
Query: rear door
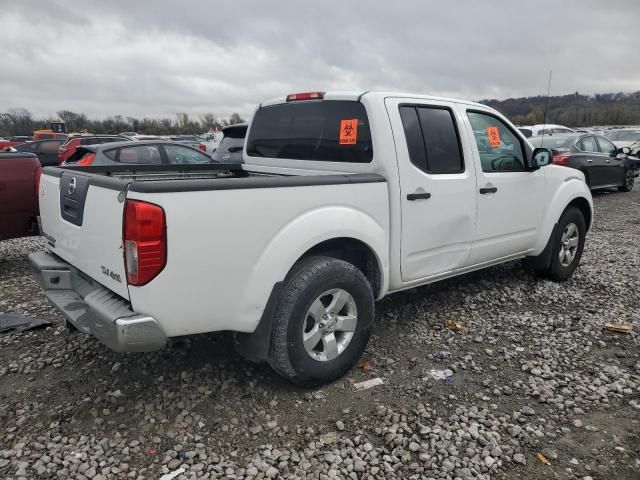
[(510, 198), (81, 218), (437, 184)]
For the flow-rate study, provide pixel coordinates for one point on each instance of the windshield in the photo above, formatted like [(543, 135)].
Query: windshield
[(624, 135), (552, 142)]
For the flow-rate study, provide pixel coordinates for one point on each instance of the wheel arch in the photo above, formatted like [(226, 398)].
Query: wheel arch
[(354, 251), (583, 205), (571, 193)]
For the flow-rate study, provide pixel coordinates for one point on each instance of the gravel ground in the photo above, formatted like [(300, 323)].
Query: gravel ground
[(533, 372)]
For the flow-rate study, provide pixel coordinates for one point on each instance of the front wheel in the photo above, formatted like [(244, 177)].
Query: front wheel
[(629, 180), (322, 323)]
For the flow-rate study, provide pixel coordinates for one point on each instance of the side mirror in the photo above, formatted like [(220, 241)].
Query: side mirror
[(541, 157), (625, 150)]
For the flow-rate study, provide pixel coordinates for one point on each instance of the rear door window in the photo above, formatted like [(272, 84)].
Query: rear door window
[(140, 155), (432, 138), (325, 131)]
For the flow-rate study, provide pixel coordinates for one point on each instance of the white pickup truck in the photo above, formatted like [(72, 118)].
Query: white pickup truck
[(343, 199)]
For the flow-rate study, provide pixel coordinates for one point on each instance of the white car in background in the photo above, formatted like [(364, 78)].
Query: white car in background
[(549, 129), (626, 137)]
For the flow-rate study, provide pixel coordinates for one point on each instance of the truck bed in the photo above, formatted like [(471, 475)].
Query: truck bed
[(177, 178)]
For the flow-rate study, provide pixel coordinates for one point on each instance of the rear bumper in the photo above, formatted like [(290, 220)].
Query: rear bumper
[(93, 309)]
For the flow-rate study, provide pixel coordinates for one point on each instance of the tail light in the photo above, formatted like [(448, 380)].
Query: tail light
[(36, 181), (145, 241), (561, 159), (202, 147), (294, 97)]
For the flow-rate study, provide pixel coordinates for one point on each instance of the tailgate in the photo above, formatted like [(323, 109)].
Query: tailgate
[(82, 223)]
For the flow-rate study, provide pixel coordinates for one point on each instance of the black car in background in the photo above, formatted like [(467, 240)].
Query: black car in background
[(230, 148), (46, 150), (603, 165)]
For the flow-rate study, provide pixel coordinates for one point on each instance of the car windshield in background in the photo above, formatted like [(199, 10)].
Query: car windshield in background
[(188, 139), (325, 131), (552, 142), (624, 135)]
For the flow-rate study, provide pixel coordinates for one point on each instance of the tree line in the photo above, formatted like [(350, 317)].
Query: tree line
[(573, 110), (20, 121)]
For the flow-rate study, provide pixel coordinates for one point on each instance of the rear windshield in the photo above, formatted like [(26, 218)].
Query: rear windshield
[(326, 131)]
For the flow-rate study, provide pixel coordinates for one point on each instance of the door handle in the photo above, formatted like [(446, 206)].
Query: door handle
[(418, 196), (485, 190), (589, 160)]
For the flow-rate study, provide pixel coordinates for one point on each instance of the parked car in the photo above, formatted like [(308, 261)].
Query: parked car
[(526, 131), (46, 150), (10, 142), (291, 258), (139, 138), (626, 137), (550, 129), (230, 147), (21, 138), (68, 148), (151, 152), (603, 165), (19, 184)]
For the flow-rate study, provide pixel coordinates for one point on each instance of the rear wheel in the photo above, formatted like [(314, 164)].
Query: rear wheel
[(322, 323), (629, 180)]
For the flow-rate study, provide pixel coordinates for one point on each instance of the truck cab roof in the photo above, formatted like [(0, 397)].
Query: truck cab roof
[(358, 95)]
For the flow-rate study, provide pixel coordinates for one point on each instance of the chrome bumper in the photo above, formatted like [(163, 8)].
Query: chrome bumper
[(93, 309)]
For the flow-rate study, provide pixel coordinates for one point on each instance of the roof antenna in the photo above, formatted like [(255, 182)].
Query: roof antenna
[(546, 105)]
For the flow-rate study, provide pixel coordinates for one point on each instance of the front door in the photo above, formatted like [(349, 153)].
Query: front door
[(510, 198), (590, 160), (614, 170), (437, 184)]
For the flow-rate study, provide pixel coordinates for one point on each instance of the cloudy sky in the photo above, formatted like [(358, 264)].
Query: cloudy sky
[(156, 58)]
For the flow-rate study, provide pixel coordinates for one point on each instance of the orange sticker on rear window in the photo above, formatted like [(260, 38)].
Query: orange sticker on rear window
[(494, 137), (349, 131)]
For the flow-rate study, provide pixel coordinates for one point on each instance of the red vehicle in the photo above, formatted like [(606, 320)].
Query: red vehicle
[(19, 187), (68, 148), (13, 141)]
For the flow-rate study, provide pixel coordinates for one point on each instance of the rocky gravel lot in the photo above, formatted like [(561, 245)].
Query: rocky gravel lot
[(534, 372)]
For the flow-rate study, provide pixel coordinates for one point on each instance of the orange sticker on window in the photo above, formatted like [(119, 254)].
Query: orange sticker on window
[(494, 137), (349, 131)]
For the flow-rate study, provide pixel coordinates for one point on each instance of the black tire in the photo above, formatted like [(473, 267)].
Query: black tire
[(629, 180), (307, 281), (553, 268)]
